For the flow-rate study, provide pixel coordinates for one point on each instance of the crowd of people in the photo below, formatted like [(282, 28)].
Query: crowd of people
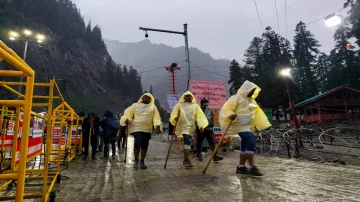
[(239, 115)]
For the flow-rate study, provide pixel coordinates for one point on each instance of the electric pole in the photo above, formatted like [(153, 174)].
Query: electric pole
[(185, 34)]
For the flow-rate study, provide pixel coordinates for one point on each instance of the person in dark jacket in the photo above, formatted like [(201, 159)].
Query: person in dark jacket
[(208, 132), (122, 138), (92, 122), (107, 136)]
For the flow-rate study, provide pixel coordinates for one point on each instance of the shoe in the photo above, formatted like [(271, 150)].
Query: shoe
[(217, 158), (136, 164), (199, 157), (94, 158), (254, 171), (142, 165), (85, 157), (241, 170), (106, 156), (187, 164), (113, 156)]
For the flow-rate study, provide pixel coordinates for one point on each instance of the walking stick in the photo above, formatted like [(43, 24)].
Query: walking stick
[(126, 142), (216, 148), (88, 146), (172, 139)]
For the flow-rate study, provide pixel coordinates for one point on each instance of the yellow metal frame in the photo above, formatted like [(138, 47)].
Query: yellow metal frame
[(25, 71), (25, 103)]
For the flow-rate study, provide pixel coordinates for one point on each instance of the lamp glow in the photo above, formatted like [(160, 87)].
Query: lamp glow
[(333, 21), (27, 32), (285, 72)]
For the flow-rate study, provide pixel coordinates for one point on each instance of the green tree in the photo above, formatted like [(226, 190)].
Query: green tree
[(322, 71), (305, 55), (236, 77)]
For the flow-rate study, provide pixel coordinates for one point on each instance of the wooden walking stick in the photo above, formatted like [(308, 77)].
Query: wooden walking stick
[(88, 146), (216, 148), (172, 139), (126, 142)]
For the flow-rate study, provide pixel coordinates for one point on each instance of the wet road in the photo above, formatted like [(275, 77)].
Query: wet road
[(284, 180)]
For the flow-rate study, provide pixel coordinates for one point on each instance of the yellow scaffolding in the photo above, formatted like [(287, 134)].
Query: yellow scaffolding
[(19, 172), (23, 70)]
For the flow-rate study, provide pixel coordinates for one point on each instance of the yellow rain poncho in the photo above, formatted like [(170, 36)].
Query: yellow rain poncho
[(142, 116), (190, 115), (247, 111)]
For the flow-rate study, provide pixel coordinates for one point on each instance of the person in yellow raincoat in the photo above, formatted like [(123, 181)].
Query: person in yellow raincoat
[(186, 115), (140, 119), (241, 113)]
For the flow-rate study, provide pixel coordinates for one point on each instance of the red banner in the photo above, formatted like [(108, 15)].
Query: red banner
[(34, 148)]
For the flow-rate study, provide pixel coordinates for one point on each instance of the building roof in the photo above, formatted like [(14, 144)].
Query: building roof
[(317, 97)]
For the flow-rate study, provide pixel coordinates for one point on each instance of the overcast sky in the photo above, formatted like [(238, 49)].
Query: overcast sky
[(222, 28)]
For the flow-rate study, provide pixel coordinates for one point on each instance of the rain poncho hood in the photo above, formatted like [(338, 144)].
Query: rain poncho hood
[(152, 102), (108, 113), (142, 116), (190, 115), (247, 111)]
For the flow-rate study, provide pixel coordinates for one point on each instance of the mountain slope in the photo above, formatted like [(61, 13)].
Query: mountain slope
[(149, 59), (73, 53)]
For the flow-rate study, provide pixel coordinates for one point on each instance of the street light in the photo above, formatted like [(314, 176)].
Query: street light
[(26, 37), (286, 72), (333, 20), (27, 32)]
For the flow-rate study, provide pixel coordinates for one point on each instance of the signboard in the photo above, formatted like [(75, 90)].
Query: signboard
[(73, 135), (34, 144), (218, 134), (56, 136), (172, 100), (35, 137), (214, 91)]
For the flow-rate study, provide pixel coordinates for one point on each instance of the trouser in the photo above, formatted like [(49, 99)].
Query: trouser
[(141, 143), (122, 137), (100, 142), (187, 147), (248, 143), (107, 142), (209, 135), (93, 144)]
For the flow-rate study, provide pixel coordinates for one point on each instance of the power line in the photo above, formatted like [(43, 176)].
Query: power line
[(208, 70), (257, 10), (178, 75), (277, 16), (287, 31), (150, 70), (156, 68)]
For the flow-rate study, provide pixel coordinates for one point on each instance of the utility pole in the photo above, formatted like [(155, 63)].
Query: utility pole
[(185, 34), (172, 69), (24, 58), (293, 111)]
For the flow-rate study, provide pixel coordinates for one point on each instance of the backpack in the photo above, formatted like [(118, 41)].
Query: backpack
[(113, 127)]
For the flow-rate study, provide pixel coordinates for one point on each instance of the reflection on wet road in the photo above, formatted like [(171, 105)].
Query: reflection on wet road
[(284, 180)]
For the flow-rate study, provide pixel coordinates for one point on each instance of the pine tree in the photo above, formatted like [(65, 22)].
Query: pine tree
[(305, 55), (236, 78), (322, 72)]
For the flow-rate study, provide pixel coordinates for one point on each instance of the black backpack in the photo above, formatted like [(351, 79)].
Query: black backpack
[(113, 127)]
